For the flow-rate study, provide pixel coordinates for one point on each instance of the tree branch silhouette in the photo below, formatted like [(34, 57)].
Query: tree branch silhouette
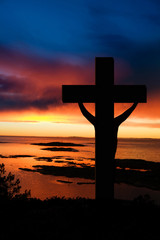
[(10, 187)]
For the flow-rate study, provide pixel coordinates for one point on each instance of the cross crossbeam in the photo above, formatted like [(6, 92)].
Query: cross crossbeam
[(87, 93), (104, 94)]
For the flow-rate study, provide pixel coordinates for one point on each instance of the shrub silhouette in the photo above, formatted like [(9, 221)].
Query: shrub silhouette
[(10, 187)]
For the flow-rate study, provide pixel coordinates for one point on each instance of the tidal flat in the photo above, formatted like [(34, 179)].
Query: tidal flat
[(60, 149), (136, 172), (59, 144), (67, 171)]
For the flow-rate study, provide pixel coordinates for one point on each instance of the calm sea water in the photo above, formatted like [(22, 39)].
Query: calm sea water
[(15, 149), (137, 148)]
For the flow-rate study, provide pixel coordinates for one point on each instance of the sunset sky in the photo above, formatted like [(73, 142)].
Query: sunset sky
[(44, 44)]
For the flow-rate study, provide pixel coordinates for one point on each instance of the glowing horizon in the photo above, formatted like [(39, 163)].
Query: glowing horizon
[(73, 125)]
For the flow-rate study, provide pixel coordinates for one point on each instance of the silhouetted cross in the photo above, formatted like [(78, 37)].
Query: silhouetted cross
[(104, 94)]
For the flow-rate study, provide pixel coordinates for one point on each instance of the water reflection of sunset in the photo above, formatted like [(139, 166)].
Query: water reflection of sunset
[(21, 157)]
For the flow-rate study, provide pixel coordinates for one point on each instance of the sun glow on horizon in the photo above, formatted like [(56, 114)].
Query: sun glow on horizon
[(67, 120), (37, 127), (47, 129), (71, 123)]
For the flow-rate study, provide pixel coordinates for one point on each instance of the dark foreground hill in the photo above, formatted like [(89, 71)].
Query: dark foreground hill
[(79, 219)]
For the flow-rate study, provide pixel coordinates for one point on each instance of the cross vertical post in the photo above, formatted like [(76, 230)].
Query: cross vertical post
[(104, 77)]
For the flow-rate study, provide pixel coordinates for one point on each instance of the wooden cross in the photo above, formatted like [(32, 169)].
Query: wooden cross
[(104, 94)]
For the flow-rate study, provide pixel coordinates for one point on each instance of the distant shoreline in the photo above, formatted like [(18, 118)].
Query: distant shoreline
[(77, 137)]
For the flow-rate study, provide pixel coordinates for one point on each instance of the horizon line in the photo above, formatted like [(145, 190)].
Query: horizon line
[(73, 137)]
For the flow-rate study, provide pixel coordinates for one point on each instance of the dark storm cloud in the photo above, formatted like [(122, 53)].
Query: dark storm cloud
[(11, 84), (145, 62), (19, 94), (19, 102)]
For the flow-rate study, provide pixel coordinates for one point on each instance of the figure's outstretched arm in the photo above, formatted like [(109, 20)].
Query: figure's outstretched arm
[(86, 114), (121, 118)]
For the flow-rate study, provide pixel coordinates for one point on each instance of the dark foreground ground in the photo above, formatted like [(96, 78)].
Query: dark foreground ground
[(79, 219)]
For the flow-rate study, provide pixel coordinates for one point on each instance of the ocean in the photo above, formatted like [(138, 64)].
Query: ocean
[(31, 159), (139, 148)]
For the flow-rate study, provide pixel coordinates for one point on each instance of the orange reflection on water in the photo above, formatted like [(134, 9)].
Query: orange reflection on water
[(19, 153), (133, 169)]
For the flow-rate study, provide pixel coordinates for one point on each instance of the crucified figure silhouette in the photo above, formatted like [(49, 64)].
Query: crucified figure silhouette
[(104, 91), (117, 121)]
